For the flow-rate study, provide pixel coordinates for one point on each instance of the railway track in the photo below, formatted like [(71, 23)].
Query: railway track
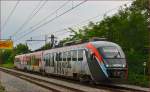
[(40, 82), (56, 85)]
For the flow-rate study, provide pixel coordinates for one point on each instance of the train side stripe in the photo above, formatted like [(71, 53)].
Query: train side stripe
[(94, 50), (98, 57)]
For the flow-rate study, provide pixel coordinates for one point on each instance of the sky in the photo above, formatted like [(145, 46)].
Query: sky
[(76, 18)]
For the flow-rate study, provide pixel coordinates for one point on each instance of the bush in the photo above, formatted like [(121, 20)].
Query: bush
[(138, 79)]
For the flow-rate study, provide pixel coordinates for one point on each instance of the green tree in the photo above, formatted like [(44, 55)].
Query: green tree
[(128, 28), (21, 49), (5, 54)]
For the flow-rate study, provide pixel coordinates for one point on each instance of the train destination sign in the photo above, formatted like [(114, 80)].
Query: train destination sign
[(6, 44)]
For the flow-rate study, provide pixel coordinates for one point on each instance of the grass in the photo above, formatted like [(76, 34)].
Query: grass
[(8, 65)]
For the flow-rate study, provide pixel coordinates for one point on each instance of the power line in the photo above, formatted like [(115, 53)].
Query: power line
[(49, 15), (32, 30), (31, 16), (28, 19), (65, 29), (100, 15), (11, 13)]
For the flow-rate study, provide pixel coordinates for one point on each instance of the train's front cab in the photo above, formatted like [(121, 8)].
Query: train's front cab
[(106, 61)]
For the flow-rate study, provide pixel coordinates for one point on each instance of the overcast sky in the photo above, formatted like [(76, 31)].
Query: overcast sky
[(78, 17)]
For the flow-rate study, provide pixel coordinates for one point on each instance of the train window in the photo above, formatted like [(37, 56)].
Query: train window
[(61, 56), (46, 60), (49, 61), (58, 56), (53, 59), (28, 60), (36, 60), (32, 59), (74, 55), (69, 56), (69, 59), (80, 55), (64, 56), (110, 52)]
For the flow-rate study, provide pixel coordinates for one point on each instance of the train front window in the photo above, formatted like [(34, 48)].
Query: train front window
[(110, 52)]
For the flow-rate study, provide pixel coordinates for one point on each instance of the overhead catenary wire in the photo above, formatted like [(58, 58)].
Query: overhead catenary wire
[(10, 14), (35, 11), (43, 24), (54, 12), (45, 18), (108, 11), (87, 20)]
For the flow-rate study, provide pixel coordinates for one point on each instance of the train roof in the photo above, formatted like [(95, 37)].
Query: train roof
[(104, 43), (82, 46), (77, 46)]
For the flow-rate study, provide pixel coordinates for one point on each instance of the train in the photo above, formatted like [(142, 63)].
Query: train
[(94, 60)]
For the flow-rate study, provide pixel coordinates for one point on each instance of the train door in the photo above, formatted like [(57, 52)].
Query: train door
[(68, 63), (80, 61), (84, 64), (47, 63), (61, 64), (52, 62), (64, 67), (74, 61), (50, 65)]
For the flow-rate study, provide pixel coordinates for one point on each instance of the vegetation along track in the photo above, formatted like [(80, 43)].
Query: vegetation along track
[(62, 87)]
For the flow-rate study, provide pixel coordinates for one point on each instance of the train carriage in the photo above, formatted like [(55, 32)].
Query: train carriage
[(66, 61), (96, 60), (36, 60), (17, 62)]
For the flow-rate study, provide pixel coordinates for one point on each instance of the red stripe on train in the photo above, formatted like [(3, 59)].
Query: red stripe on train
[(94, 51)]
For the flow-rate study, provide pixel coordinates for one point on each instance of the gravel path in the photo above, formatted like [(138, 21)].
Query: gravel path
[(14, 84)]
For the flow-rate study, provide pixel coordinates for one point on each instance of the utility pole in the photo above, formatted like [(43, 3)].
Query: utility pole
[(52, 40)]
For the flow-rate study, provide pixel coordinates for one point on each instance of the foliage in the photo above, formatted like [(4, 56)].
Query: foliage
[(129, 29), (21, 49), (138, 79), (4, 55), (7, 55)]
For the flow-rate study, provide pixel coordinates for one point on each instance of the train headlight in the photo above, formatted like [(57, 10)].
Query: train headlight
[(123, 65), (107, 65)]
